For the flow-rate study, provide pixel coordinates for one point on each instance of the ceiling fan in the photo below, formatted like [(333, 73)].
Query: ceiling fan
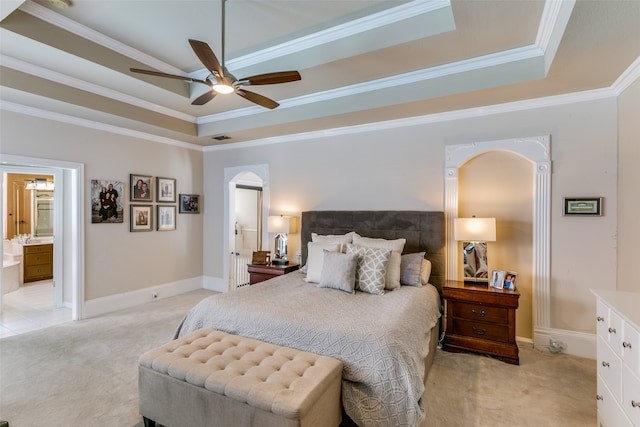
[(221, 81)]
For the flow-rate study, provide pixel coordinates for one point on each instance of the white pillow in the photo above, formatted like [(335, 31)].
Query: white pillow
[(425, 273), (339, 271), (315, 259), (392, 280), (343, 239), (371, 269)]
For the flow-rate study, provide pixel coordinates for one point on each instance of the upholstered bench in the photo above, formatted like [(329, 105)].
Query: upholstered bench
[(212, 378)]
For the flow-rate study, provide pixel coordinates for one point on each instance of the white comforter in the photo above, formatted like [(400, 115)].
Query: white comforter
[(382, 340)]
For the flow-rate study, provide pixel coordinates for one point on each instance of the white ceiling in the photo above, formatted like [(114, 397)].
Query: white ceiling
[(361, 61)]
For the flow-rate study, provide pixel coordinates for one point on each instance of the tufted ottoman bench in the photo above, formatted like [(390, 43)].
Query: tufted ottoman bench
[(212, 378)]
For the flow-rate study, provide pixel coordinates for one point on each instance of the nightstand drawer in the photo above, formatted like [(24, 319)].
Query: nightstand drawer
[(485, 331), (481, 312)]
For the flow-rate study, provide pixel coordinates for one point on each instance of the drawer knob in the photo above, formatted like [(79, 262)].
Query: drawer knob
[(600, 319), (612, 330), (626, 344), (598, 397), (479, 332), (475, 313), (635, 404), (605, 364)]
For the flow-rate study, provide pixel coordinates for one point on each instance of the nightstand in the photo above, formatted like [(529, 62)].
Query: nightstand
[(260, 273), (481, 319)]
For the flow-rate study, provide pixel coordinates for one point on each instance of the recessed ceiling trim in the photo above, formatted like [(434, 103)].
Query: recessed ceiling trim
[(64, 79), (348, 29), (554, 20), (468, 65), (85, 32)]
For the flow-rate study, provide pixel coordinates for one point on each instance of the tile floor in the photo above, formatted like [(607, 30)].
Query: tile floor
[(29, 308)]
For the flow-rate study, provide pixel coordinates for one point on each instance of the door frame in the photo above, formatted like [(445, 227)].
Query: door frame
[(69, 242)]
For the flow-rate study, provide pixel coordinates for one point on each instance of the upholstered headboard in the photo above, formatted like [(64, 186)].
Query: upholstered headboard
[(424, 231)]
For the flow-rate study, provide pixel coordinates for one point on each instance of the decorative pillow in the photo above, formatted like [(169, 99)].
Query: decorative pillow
[(411, 269), (315, 259), (371, 269), (339, 271), (343, 239), (392, 281), (425, 273)]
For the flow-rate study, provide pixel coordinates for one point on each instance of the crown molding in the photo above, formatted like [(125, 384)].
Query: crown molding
[(627, 78)]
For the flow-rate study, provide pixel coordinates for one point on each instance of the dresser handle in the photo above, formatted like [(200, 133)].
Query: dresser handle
[(482, 314), (626, 344), (600, 319), (477, 332), (635, 404), (605, 364), (598, 397), (612, 330)]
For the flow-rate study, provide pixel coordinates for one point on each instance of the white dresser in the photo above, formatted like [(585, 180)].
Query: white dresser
[(618, 328)]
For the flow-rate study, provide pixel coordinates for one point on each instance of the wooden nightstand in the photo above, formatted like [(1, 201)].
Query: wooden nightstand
[(260, 273), (481, 319)]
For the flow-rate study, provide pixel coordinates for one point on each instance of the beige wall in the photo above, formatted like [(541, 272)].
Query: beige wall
[(116, 260), (402, 168), (628, 187)]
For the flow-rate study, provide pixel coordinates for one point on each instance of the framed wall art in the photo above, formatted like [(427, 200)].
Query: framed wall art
[(582, 206), (166, 218), (166, 190), (189, 203), (107, 201), (141, 188), (141, 218)]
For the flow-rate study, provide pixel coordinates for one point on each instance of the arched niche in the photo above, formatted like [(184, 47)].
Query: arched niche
[(537, 151)]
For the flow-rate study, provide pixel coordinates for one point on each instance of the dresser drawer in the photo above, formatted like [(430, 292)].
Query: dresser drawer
[(36, 249), (481, 330), (631, 348), (602, 319), (481, 312), (631, 395), (609, 367), (609, 411), (44, 270), (38, 258)]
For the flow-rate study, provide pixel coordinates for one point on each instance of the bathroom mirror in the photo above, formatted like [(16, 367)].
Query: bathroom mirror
[(475, 262)]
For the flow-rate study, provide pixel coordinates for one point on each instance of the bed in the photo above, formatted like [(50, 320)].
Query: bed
[(386, 342)]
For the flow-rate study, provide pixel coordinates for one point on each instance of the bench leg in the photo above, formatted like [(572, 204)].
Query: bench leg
[(148, 422)]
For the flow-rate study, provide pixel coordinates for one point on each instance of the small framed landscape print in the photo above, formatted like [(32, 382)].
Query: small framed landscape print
[(166, 218), (140, 187), (189, 203), (141, 218), (583, 206), (166, 189)]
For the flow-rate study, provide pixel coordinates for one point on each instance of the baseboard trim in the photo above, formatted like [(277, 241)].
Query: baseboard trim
[(216, 284), (99, 306), (577, 343)]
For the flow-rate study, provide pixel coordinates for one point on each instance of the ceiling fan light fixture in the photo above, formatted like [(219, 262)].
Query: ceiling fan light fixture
[(223, 88)]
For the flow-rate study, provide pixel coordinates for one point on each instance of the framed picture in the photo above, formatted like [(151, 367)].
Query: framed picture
[(189, 203), (141, 218), (166, 190), (107, 201), (166, 218), (583, 206), (141, 188), (497, 279)]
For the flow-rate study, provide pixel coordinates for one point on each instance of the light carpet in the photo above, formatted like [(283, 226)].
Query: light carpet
[(85, 373)]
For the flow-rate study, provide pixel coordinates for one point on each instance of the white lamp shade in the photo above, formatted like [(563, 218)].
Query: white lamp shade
[(279, 224), (474, 229)]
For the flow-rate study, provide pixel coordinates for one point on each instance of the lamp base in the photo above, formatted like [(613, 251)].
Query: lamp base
[(279, 261), (476, 281)]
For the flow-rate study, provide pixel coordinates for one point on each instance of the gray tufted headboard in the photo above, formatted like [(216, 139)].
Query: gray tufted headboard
[(424, 231)]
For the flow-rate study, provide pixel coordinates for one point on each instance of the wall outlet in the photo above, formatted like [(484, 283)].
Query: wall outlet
[(556, 346), (154, 295)]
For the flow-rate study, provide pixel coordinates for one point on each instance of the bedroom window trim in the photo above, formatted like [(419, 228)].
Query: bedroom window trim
[(537, 151)]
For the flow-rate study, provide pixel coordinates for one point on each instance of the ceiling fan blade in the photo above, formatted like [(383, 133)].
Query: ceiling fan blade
[(171, 76), (271, 78), (257, 99), (206, 56), (204, 98)]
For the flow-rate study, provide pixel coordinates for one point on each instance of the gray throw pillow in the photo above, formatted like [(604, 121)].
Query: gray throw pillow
[(411, 268), (339, 271)]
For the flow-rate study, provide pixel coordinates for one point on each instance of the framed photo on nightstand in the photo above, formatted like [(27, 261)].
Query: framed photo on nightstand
[(503, 279)]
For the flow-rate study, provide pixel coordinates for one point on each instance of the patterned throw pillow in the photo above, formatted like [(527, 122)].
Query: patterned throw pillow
[(392, 281), (371, 269)]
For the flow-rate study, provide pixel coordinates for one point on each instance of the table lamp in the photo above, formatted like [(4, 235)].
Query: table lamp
[(474, 233), (281, 226)]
